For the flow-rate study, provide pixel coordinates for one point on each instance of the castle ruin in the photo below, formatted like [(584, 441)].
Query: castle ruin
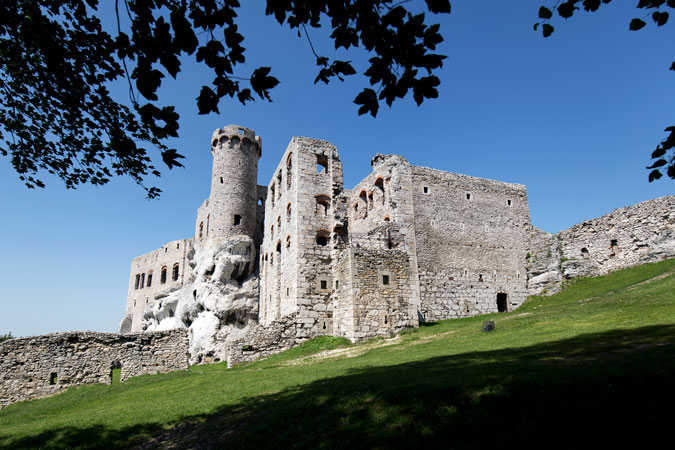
[(270, 266)]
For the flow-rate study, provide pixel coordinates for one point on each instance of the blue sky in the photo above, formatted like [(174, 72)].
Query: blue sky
[(573, 117)]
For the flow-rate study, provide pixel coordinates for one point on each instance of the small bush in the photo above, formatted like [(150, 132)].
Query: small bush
[(6, 337)]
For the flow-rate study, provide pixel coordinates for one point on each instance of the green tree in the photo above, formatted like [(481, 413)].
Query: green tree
[(664, 155), (5, 337), (56, 63)]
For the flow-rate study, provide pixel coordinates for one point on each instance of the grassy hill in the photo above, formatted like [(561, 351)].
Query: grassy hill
[(591, 366)]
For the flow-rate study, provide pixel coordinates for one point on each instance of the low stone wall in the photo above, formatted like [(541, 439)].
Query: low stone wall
[(262, 341), (39, 366)]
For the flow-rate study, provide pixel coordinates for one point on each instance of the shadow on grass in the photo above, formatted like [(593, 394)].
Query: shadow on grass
[(606, 389)]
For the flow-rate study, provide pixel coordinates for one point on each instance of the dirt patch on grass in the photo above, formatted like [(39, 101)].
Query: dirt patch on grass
[(348, 352)]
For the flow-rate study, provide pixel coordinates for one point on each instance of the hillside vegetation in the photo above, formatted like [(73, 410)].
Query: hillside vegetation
[(593, 365)]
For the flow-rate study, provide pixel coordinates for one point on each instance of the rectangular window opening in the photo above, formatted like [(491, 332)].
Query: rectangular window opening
[(385, 279), (324, 284)]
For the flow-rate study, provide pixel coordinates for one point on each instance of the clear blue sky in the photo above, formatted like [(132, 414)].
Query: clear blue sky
[(573, 117)]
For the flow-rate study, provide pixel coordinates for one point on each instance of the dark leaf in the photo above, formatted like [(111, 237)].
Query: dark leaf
[(654, 175), (262, 82), (367, 98), (659, 163), (567, 9), (636, 24), (438, 6), (207, 101), (170, 158), (660, 18), (545, 13), (660, 151), (547, 29)]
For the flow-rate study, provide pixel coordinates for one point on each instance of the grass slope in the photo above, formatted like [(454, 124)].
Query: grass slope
[(593, 365)]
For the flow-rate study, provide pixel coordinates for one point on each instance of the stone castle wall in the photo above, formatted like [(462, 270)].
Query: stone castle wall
[(472, 237), (626, 237), (154, 275), (39, 366)]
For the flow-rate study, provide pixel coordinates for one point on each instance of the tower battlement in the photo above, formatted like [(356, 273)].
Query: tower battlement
[(234, 135)]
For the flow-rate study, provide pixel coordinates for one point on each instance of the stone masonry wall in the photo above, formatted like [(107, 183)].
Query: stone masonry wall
[(380, 294), (262, 341), (626, 237), (38, 366), (472, 238), (147, 269)]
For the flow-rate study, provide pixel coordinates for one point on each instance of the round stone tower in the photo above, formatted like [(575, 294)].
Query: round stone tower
[(234, 179)]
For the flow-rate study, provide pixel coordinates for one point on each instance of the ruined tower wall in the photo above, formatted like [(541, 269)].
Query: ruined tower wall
[(471, 243), (278, 263), (297, 275), (146, 282), (232, 204)]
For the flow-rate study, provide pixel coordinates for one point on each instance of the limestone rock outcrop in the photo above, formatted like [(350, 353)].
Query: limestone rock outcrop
[(217, 303)]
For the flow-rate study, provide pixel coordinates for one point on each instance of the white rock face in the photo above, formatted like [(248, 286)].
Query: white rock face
[(218, 303)]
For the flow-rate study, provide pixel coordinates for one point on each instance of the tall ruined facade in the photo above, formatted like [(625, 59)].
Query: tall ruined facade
[(270, 266)]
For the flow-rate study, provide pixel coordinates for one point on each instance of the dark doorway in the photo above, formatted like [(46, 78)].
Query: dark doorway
[(501, 302), (115, 372)]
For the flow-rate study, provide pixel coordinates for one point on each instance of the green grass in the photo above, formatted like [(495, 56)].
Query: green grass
[(591, 366)]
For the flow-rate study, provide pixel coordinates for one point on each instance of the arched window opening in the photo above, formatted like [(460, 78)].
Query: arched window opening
[(584, 252), (340, 234), (221, 180), (322, 205), (289, 170), (149, 283), (272, 195), (363, 204), (208, 219), (272, 230), (322, 237), (279, 246), (170, 312), (321, 164), (260, 201), (53, 378), (379, 183), (480, 277), (237, 219), (288, 212), (162, 275), (174, 274), (142, 281), (201, 230), (288, 242), (279, 183), (387, 218), (370, 201), (266, 257), (138, 281), (501, 302), (279, 221)]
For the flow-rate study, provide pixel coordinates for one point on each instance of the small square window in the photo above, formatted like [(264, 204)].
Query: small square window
[(324, 284), (468, 196), (508, 202), (385, 279), (426, 189)]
